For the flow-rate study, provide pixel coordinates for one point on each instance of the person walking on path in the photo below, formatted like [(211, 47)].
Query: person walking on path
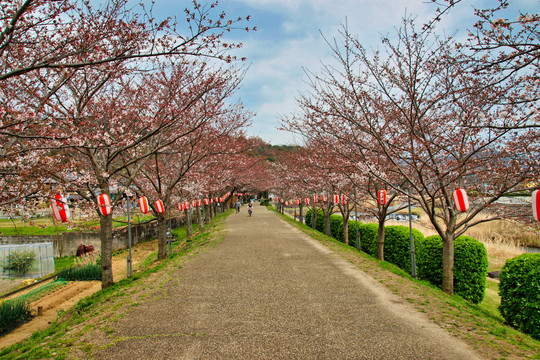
[(237, 205)]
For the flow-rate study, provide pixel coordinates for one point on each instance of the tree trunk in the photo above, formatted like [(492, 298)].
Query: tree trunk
[(207, 210), (448, 265), (380, 239), (327, 222), (314, 223), (199, 215), (105, 223), (189, 231), (301, 216), (162, 236), (346, 229)]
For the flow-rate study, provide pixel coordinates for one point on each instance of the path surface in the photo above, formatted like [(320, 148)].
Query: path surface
[(270, 292)]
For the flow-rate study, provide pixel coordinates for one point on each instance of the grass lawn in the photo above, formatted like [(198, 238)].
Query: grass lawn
[(46, 226)]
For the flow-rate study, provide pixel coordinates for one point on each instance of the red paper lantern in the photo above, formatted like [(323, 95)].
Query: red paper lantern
[(104, 203), (180, 206), (336, 199), (382, 197), (315, 199), (306, 200), (286, 203), (60, 208), (536, 204), (206, 202), (461, 200), (217, 200), (143, 205), (159, 206), (193, 203), (344, 199), (298, 201), (186, 205), (282, 201), (199, 203)]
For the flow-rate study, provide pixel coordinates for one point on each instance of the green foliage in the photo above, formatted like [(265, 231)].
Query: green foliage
[(368, 238), (397, 245), (13, 313), (470, 265), (520, 293), (470, 268), (320, 220), (20, 262), (63, 262), (309, 217), (265, 202), (319, 225), (352, 232), (336, 227), (429, 259), (81, 273)]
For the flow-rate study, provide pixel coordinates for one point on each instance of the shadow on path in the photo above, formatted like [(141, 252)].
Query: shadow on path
[(269, 291)]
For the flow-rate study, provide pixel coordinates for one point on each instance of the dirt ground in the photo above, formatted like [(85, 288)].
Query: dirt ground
[(67, 296)]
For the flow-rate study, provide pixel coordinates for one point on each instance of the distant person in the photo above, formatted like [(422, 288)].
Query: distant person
[(237, 205), (250, 209)]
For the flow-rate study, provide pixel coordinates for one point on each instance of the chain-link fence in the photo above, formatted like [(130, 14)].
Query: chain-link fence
[(26, 260)]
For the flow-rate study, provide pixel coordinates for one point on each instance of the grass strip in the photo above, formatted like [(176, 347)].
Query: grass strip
[(481, 326), (64, 335)]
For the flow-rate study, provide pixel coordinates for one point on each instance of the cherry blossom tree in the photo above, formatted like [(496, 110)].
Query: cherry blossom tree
[(44, 44), (417, 106), (200, 131)]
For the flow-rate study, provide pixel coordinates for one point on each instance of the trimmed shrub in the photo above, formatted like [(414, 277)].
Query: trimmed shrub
[(309, 217), (320, 219), (470, 268), (336, 227), (12, 314), (352, 232), (470, 265), (81, 273), (429, 259), (520, 293), (368, 238), (397, 245), (319, 226)]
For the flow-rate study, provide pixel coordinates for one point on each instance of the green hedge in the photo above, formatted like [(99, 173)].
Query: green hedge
[(320, 219), (352, 232), (520, 293), (470, 265), (397, 245), (368, 238), (336, 227)]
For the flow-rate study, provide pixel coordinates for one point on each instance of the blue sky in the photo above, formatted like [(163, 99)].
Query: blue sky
[(289, 40)]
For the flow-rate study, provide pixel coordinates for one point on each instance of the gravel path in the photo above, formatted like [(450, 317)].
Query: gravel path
[(269, 291)]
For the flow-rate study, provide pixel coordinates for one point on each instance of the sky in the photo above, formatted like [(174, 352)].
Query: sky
[(290, 39)]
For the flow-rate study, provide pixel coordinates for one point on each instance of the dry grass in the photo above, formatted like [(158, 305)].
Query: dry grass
[(503, 239)]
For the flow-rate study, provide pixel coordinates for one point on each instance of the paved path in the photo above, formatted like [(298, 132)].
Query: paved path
[(270, 292)]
